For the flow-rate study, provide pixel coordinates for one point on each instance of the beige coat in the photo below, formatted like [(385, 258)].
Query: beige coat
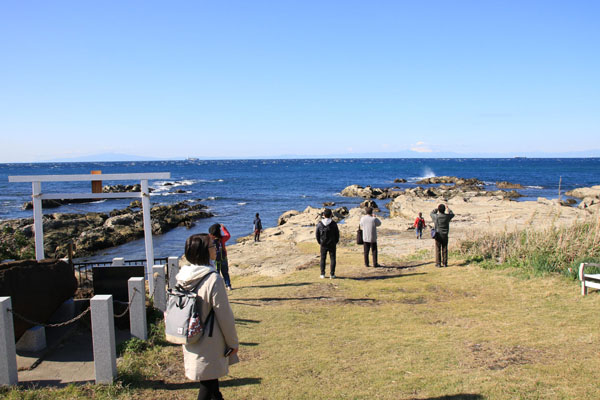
[(205, 360)]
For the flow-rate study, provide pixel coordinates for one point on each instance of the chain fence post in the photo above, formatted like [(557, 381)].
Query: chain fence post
[(137, 307), (160, 293), (8, 350), (173, 269), (118, 262), (103, 335)]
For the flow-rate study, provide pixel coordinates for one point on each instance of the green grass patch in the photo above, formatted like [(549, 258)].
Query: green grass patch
[(399, 332)]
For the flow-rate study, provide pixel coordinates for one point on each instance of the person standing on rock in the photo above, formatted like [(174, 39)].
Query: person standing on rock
[(442, 229), (328, 236), (220, 236), (257, 228), (419, 225), (369, 224)]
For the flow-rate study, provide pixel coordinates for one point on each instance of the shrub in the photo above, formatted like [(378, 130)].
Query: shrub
[(553, 250)]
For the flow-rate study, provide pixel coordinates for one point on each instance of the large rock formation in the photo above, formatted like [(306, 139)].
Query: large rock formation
[(283, 218), (582, 193), (508, 185), (95, 231), (450, 179), (370, 192), (36, 289), (314, 215)]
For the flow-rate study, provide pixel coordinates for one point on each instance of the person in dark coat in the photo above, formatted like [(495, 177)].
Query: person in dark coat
[(328, 236), (442, 229), (257, 228), (220, 236)]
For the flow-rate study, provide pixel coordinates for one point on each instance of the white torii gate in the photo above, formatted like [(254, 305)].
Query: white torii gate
[(38, 196)]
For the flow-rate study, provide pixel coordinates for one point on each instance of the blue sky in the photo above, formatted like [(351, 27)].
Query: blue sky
[(262, 78)]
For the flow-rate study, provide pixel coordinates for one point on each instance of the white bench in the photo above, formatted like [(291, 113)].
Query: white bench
[(588, 280)]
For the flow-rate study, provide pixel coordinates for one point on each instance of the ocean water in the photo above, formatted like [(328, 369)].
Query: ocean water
[(235, 190)]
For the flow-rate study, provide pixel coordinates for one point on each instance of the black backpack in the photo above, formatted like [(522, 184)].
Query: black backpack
[(327, 235)]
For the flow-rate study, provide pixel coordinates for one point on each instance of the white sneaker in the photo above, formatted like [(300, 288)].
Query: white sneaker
[(322, 276)]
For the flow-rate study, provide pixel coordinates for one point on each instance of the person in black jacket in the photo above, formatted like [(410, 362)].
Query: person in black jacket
[(328, 235), (257, 228), (442, 229)]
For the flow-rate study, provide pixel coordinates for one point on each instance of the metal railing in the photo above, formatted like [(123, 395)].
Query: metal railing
[(83, 270)]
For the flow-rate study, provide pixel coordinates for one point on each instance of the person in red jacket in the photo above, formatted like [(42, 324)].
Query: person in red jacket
[(220, 236), (419, 225)]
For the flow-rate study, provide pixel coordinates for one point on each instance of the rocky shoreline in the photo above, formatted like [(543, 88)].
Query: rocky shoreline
[(94, 231), (292, 245)]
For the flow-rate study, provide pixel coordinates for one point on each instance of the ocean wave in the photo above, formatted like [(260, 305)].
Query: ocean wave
[(534, 187), (163, 186), (170, 193), (242, 204)]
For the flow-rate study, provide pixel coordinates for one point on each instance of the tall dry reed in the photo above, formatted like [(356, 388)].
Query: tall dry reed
[(552, 250)]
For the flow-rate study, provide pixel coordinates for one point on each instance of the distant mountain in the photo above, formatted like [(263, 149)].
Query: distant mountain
[(106, 157)]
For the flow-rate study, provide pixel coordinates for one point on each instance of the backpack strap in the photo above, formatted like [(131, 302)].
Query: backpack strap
[(211, 313), (211, 316)]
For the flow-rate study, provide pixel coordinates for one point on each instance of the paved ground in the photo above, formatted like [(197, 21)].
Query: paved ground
[(68, 358)]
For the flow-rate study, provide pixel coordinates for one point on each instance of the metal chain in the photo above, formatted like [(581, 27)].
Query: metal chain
[(58, 325), (128, 304)]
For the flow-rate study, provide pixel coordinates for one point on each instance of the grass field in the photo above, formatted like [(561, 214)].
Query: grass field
[(407, 331)]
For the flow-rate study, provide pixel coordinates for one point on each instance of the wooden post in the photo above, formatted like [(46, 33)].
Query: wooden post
[(96, 185)]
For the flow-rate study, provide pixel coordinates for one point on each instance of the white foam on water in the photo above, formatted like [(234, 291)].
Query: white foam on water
[(242, 204)]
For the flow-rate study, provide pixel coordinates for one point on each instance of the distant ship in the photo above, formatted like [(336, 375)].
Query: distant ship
[(520, 158), (191, 159)]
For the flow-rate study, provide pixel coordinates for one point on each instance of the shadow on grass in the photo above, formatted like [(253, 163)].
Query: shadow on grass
[(460, 396), (312, 298), (248, 344), (274, 286), (405, 266), (54, 383), (242, 321), (380, 277), (162, 385)]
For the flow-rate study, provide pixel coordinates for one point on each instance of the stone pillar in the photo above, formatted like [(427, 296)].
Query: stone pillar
[(160, 291), (173, 268), (103, 335), (8, 351), (118, 262), (137, 308)]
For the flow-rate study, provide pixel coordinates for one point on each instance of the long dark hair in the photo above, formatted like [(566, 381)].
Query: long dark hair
[(196, 249)]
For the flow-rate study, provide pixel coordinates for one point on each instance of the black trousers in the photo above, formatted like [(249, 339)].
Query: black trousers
[(373, 248), (331, 251), (441, 250), (209, 390)]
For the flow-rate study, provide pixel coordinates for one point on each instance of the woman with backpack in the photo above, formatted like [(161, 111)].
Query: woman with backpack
[(209, 358)]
